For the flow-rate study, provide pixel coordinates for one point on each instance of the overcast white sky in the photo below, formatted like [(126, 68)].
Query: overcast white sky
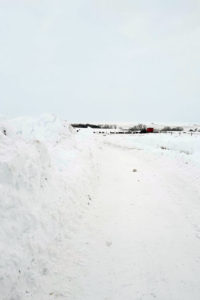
[(101, 60)]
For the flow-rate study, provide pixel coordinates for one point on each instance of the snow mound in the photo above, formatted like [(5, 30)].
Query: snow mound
[(46, 181), (47, 127)]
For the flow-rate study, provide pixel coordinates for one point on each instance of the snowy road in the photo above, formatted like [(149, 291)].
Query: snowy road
[(141, 235), (90, 217)]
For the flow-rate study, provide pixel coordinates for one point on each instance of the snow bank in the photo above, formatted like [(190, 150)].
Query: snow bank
[(46, 185), (175, 144), (45, 128)]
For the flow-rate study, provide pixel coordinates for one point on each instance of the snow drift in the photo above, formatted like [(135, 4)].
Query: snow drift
[(175, 144), (45, 187)]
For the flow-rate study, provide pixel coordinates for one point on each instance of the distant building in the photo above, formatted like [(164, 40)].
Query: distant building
[(150, 129)]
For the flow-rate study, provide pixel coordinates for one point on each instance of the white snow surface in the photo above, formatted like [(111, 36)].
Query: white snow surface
[(87, 217), (45, 186)]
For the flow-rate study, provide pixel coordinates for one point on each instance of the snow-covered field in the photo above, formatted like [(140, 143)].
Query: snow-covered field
[(90, 217)]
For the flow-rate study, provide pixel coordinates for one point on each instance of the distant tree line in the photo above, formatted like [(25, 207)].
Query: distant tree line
[(81, 125), (139, 127), (168, 128), (143, 127), (94, 126), (136, 128)]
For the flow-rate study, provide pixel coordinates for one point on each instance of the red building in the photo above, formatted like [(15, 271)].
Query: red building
[(150, 129)]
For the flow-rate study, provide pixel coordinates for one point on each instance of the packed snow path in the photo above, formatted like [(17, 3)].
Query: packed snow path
[(141, 236)]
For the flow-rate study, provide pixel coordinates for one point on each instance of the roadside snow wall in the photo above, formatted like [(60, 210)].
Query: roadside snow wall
[(46, 183)]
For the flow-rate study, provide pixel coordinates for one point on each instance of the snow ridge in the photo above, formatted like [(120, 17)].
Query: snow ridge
[(45, 187)]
